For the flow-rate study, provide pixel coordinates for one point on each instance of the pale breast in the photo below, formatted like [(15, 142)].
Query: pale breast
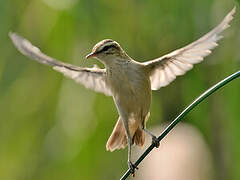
[(130, 87)]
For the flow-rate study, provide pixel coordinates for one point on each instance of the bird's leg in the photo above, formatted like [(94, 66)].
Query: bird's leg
[(131, 166), (155, 140)]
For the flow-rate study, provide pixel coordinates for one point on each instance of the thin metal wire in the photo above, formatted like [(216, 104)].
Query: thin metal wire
[(182, 114)]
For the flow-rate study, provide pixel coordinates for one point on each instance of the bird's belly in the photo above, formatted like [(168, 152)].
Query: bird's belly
[(134, 98)]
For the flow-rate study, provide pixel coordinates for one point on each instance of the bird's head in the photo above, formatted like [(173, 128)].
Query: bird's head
[(107, 50)]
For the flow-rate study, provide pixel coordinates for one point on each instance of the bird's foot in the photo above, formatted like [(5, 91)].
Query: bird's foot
[(155, 141), (132, 168)]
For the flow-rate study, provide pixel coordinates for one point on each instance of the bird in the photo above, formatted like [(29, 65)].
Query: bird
[(129, 82)]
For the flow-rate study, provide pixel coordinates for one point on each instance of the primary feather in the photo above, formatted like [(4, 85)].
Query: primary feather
[(92, 78), (165, 69)]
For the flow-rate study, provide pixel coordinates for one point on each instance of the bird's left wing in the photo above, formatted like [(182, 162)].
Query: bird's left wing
[(164, 70), (92, 78)]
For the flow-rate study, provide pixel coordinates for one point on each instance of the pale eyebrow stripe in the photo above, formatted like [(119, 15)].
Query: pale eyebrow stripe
[(107, 44)]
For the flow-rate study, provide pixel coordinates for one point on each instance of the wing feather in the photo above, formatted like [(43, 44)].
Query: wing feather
[(164, 70), (92, 78)]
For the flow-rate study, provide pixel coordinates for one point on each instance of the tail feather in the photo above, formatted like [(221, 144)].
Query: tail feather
[(139, 137), (118, 138)]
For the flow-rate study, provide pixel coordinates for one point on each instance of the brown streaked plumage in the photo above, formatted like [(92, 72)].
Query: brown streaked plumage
[(129, 82)]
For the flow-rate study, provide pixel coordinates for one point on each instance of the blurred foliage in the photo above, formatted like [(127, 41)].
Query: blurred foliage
[(52, 128)]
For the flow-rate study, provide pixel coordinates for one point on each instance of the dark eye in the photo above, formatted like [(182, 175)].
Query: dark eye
[(106, 48)]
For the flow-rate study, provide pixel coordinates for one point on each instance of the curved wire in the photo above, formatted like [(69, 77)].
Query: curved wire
[(182, 114)]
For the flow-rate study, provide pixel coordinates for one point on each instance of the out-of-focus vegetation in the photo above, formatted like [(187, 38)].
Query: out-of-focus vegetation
[(52, 128)]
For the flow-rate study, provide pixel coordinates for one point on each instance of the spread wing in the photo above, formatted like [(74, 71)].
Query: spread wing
[(165, 69), (92, 78)]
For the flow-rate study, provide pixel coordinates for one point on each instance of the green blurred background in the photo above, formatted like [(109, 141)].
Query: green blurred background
[(52, 128)]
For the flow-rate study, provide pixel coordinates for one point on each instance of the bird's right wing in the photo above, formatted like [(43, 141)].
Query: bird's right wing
[(92, 78)]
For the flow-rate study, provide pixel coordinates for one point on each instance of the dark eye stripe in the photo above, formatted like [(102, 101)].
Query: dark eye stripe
[(106, 48)]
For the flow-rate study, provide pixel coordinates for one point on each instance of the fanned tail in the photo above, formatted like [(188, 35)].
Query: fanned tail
[(118, 138), (139, 137)]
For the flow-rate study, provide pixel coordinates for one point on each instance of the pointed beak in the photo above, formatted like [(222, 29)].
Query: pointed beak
[(90, 55)]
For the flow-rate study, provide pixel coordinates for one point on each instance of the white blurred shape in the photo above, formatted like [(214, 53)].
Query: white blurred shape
[(182, 155), (60, 4)]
